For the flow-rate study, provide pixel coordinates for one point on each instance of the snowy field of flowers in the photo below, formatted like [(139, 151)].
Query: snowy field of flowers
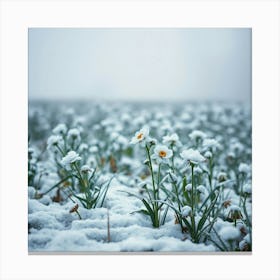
[(132, 177)]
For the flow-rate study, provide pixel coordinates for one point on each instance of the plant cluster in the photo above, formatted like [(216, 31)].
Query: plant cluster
[(193, 162)]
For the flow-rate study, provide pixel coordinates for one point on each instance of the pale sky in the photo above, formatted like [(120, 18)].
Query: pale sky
[(140, 64)]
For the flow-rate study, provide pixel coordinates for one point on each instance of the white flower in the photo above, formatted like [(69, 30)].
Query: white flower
[(172, 139), (93, 149), (140, 135), (86, 169), (208, 154), (71, 157), (152, 141), (247, 188), (73, 133), (92, 161), (222, 176), (197, 134), (31, 151), (60, 129), (83, 147), (244, 168), (192, 156), (235, 212), (203, 192), (186, 211), (188, 187), (162, 153), (202, 189), (237, 147), (211, 143), (54, 140)]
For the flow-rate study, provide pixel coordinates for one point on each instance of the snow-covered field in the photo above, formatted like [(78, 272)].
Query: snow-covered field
[(139, 177)]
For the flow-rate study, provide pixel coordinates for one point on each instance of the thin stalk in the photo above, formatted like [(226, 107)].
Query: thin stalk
[(210, 173), (193, 195), (60, 150), (172, 159), (64, 140), (79, 174), (241, 190), (158, 183), (192, 206), (151, 169), (78, 214), (154, 204)]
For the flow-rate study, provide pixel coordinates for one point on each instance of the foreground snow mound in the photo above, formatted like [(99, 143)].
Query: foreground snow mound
[(52, 228)]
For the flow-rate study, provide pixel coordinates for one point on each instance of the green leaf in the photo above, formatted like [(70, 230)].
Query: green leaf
[(189, 227), (215, 243), (206, 213), (184, 183), (222, 242), (131, 194), (164, 215), (169, 193), (151, 212), (57, 184), (80, 198), (105, 192), (209, 197)]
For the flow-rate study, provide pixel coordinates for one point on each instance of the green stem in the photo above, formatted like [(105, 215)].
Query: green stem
[(172, 159), (151, 169), (154, 204), (192, 206), (78, 214), (82, 182), (158, 180), (211, 173), (79, 173), (60, 150), (193, 195)]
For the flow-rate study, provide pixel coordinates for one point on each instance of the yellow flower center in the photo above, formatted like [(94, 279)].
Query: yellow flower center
[(139, 136), (162, 154)]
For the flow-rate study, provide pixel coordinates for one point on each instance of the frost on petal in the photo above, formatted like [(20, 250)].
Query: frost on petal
[(54, 140), (71, 157), (197, 134), (244, 168), (60, 129), (247, 188), (172, 139), (73, 133), (162, 152), (186, 211), (211, 144), (140, 135), (193, 156), (86, 169)]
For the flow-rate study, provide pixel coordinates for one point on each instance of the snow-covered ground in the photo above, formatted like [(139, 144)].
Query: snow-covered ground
[(69, 142), (55, 229)]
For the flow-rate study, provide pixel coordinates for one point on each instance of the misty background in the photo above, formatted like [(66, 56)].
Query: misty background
[(140, 64)]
